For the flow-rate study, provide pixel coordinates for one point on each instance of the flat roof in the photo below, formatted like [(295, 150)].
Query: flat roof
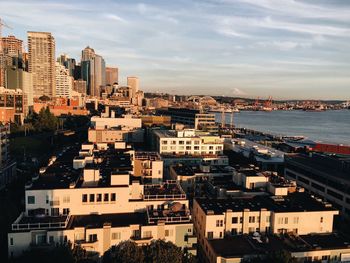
[(242, 245), (116, 220), (326, 166), (293, 202), (61, 173)]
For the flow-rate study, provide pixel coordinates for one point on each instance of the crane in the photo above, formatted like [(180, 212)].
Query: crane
[(2, 24)]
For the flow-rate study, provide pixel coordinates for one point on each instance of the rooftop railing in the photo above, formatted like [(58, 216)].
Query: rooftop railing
[(18, 226)]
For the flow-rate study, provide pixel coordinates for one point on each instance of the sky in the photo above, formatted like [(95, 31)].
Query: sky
[(286, 49)]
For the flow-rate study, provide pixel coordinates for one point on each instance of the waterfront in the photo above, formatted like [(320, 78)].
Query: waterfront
[(327, 126)]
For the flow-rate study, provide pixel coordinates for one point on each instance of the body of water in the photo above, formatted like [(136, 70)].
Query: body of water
[(331, 126)]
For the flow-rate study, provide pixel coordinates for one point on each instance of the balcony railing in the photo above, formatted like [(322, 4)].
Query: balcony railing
[(18, 226)]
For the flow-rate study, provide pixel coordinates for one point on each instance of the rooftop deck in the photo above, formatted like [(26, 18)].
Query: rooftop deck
[(169, 190)]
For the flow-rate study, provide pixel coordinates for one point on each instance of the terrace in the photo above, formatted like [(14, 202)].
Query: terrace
[(24, 222), (169, 190), (175, 213)]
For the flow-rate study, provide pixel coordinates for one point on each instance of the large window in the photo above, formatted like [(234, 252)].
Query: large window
[(234, 220)]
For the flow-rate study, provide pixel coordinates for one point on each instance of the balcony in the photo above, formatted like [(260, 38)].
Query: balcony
[(24, 222)]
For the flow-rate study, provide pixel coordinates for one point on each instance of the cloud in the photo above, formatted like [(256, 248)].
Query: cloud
[(115, 18)]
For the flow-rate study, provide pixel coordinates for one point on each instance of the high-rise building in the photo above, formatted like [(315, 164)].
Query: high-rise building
[(68, 62), (100, 74), (64, 82), (133, 83), (111, 75), (88, 53), (18, 79), (41, 49), (93, 71), (11, 47)]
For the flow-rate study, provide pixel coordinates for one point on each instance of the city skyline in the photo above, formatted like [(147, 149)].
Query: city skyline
[(245, 48)]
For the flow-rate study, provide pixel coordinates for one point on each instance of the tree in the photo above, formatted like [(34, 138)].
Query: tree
[(159, 251), (126, 251), (163, 252), (44, 98)]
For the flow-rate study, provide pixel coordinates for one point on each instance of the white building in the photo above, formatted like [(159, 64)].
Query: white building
[(64, 82), (94, 201), (187, 142)]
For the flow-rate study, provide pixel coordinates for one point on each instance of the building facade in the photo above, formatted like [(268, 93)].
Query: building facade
[(41, 49)]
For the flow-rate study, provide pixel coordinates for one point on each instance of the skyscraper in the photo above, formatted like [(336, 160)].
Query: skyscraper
[(64, 82), (111, 75), (93, 71), (41, 49), (133, 83), (11, 49), (68, 62)]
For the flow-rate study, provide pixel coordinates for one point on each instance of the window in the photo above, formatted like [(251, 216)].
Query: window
[(92, 198), (234, 220), (286, 220), (106, 197), (234, 231), (11, 241), (116, 235), (219, 223), (181, 142), (51, 239), (99, 198), (173, 142), (210, 235), (189, 230), (66, 199), (84, 198), (241, 220), (252, 219), (220, 234), (31, 199), (66, 211), (321, 219), (196, 147), (113, 197), (164, 142), (268, 219), (188, 142), (196, 142), (280, 220), (93, 237)]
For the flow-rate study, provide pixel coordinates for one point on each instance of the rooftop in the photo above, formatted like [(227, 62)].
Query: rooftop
[(115, 220), (238, 246), (61, 174), (170, 189), (294, 202), (324, 165)]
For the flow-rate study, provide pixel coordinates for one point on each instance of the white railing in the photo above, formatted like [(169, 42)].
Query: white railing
[(40, 225), (164, 197)]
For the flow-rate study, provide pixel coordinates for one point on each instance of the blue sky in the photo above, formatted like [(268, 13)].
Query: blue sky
[(282, 48)]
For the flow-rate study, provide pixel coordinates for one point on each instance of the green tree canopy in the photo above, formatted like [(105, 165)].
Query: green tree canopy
[(159, 251)]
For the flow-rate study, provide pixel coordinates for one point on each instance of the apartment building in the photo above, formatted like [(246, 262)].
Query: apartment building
[(187, 142), (90, 198), (13, 107), (322, 175), (298, 213), (149, 166)]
